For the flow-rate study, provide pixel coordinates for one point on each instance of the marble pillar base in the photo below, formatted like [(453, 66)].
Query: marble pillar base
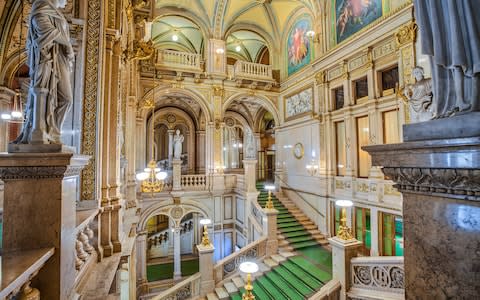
[(440, 184), (39, 212), (342, 253), (205, 257)]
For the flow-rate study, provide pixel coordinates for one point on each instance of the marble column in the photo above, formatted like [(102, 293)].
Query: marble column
[(170, 146), (342, 252), (272, 240), (141, 250), (437, 171), (205, 256), (177, 258), (39, 212), (250, 171)]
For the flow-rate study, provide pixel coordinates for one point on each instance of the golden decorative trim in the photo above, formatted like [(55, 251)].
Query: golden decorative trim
[(89, 132), (218, 91), (321, 77), (406, 34)]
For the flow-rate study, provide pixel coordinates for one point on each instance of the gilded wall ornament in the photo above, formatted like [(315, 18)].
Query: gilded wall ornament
[(298, 150), (406, 34)]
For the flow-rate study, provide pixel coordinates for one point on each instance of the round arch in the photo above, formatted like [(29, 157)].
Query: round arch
[(264, 101), (172, 211), (161, 91)]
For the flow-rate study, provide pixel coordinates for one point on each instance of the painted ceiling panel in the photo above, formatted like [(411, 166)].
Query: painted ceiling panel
[(256, 15), (282, 10), (188, 34)]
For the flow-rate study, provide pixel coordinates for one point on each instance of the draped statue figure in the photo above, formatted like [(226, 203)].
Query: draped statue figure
[(177, 144), (419, 97), (450, 36), (50, 61), (250, 147)]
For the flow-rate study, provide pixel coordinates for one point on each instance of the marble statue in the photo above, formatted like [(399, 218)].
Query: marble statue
[(250, 145), (177, 145), (50, 60), (450, 37), (419, 96)]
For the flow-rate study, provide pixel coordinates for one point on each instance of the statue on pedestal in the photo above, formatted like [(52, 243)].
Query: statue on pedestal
[(50, 60), (250, 147), (177, 145), (450, 37), (419, 96)]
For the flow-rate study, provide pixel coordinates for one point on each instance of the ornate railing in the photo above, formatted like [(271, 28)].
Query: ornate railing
[(194, 182), (385, 274), (253, 70), (186, 289), (85, 252), (257, 213), (177, 59), (229, 265)]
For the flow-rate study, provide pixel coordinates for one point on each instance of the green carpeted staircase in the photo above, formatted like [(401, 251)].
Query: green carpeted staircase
[(294, 232), (286, 275)]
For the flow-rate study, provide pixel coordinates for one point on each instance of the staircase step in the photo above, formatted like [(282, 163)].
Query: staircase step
[(230, 287), (286, 254), (307, 266), (278, 258), (238, 281), (212, 296), (283, 285), (222, 293), (310, 280), (295, 234), (294, 280), (304, 244), (301, 239), (292, 229), (263, 267), (236, 296), (284, 220), (272, 290), (270, 262), (289, 224)]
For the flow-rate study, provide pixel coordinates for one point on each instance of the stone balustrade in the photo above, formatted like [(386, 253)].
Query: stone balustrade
[(186, 289), (194, 182), (383, 275), (252, 70), (18, 269), (85, 252), (229, 265), (179, 60)]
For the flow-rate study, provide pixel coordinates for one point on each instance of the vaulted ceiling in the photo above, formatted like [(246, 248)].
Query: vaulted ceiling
[(246, 25)]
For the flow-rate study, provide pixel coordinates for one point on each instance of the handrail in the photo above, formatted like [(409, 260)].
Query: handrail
[(185, 289), (229, 264), (298, 194)]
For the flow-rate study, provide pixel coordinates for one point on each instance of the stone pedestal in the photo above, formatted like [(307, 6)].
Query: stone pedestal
[(39, 212), (250, 168), (205, 256), (440, 183), (177, 174), (272, 240), (342, 253)]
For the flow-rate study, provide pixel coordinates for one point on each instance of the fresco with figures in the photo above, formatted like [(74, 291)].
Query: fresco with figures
[(352, 16), (298, 46)]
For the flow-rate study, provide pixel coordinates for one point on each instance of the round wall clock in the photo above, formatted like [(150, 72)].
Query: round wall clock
[(298, 150)]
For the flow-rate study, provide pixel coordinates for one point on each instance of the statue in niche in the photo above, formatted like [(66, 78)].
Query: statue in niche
[(177, 145), (453, 45), (419, 96), (250, 147), (50, 60)]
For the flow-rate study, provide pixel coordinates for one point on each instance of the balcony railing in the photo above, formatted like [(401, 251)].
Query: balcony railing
[(194, 182), (374, 275), (253, 71), (179, 60), (186, 289)]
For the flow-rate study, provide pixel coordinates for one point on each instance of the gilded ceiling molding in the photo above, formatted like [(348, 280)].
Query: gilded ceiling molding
[(219, 13), (89, 133)]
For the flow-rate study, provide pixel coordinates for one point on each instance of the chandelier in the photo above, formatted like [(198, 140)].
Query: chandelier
[(152, 178)]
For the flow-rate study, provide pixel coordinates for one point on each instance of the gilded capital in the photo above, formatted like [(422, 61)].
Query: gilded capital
[(218, 91), (406, 34)]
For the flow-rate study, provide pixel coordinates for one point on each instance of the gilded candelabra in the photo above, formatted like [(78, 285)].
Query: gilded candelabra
[(344, 231), (154, 183), (248, 295), (269, 203)]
